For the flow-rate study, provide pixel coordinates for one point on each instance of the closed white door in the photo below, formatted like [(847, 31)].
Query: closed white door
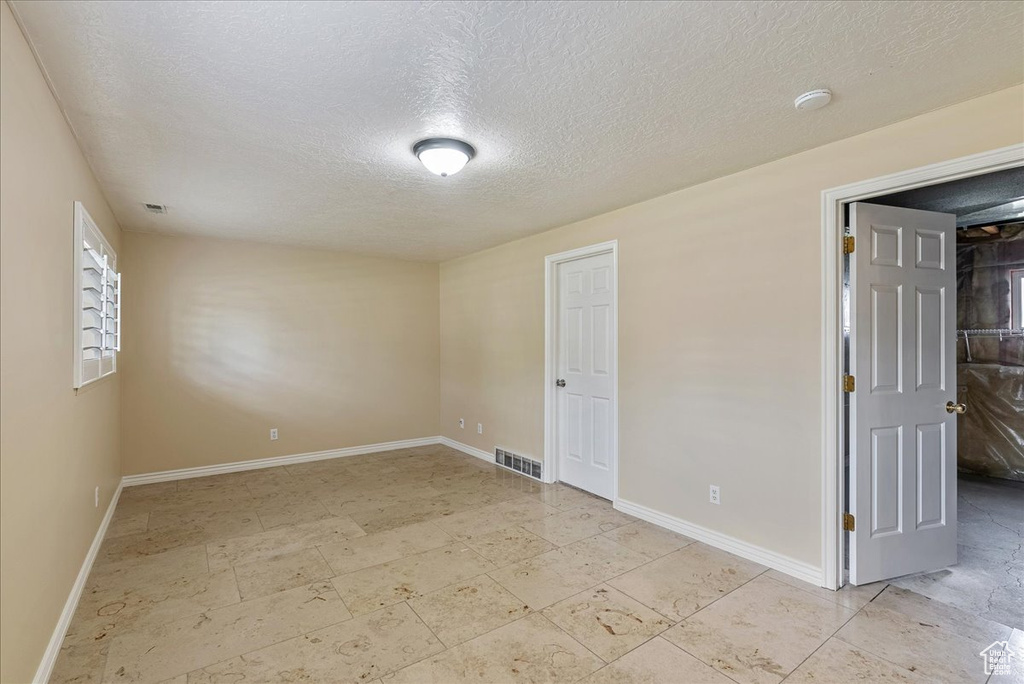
[(586, 360), (903, 361)]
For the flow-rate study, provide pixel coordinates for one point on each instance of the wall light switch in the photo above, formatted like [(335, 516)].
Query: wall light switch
[(273, 433)]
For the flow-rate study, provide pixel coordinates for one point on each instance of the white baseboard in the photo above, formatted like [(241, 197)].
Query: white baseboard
[(466, 449), (57, 638), (776, 561), (256, 464)]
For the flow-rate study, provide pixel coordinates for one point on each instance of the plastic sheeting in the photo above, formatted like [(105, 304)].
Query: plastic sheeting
[(984, 269), (990, 436)]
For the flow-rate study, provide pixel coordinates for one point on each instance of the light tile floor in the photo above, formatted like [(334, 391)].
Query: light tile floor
[(426, 565)]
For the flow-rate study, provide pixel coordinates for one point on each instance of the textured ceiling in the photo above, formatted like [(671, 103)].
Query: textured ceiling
[(989, 198), (292, 122)]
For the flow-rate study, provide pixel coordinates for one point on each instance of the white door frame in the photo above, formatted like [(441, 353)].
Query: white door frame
[(551, 263), (832, 202)]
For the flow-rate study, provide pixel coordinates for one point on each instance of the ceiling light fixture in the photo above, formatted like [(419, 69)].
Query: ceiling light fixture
[(443, 156), (815, 99)]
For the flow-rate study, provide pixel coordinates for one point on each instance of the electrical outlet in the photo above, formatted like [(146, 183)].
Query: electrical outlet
[(716, 495), (462, 423), (96, 498), (479, 428), (273, 433)]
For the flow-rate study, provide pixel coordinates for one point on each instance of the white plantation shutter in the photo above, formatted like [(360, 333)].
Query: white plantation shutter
[(97, 302)]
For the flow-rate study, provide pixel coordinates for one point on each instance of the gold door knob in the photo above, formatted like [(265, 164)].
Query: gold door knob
[(955, 408)]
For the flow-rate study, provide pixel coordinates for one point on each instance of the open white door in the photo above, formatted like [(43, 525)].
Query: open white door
[(585, 413), (903, 361)]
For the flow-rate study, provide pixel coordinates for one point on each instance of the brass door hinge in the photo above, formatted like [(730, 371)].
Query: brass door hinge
[(849, 524), (849, 244), (849, 383)]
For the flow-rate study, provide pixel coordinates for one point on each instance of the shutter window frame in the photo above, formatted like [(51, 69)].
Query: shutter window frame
[(97, 302)]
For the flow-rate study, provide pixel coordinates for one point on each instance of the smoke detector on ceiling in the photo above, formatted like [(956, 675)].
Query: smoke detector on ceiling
[(155, 208), (815, 99)]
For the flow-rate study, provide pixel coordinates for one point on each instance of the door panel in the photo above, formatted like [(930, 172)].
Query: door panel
[(931, 468), (602, 314), (574, 339), (931, 342), (931, 249), (902, 440), (585, 341), (601, 408), (886, 245), (574, 426), (886, 461), (886, 345)]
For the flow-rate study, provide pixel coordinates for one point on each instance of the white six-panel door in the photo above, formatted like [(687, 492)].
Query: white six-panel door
[(585, 339), (903, 359)]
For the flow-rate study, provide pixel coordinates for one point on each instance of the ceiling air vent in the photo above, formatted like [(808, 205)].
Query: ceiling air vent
[(155, 208)]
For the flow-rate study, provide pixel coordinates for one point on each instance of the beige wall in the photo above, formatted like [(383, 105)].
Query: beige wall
[(225, 340), (719, 344), (719, 330), (55, 445)]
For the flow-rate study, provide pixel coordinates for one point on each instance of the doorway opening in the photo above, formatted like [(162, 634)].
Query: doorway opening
[(981, 343), (581, 425)]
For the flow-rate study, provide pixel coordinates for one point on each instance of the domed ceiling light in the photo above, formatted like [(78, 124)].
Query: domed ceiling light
[(443, 156)]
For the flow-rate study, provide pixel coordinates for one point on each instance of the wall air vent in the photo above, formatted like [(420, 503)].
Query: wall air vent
[(520, 464), (155, 208)]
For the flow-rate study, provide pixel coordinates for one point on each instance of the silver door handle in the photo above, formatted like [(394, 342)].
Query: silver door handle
[(559, 382)]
